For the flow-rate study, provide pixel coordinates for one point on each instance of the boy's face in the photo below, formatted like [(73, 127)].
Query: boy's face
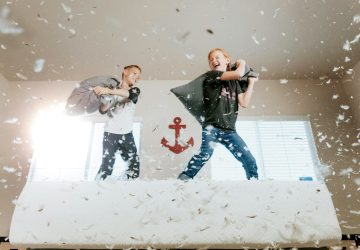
[(132, 75), (217, 61)]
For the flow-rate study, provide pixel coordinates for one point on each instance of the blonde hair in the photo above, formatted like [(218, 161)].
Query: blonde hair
[(129, 67), (225, 53)]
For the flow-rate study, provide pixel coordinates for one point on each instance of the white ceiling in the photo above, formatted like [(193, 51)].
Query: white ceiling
[(170, 39)]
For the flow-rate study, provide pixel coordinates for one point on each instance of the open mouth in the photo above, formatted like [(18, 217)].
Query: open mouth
[(216, 65)]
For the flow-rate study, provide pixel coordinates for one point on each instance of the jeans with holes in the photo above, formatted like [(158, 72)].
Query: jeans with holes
[(232, 141), (126, 145)]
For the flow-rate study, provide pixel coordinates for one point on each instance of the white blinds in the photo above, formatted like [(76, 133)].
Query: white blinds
[(284, 150)]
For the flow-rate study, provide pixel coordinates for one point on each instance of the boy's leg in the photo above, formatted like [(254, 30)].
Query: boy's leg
[(199, 160), (129, 154), (108, 157), (233, 142)]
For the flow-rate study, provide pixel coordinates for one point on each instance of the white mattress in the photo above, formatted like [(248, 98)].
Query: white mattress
[(174, 214)]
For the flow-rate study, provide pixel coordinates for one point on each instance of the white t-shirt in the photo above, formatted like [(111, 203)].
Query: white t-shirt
[(122, 118)]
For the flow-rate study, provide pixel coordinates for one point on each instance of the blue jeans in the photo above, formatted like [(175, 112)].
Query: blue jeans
[(232, 141)]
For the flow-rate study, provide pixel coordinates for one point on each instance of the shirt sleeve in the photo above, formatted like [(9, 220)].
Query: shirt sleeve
[(134, 94), (242, 86)]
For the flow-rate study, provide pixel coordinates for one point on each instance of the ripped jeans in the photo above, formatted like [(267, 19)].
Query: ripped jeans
[(126, 145), (232, 141)]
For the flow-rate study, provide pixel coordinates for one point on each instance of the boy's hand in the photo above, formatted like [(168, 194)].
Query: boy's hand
[(101, 90)]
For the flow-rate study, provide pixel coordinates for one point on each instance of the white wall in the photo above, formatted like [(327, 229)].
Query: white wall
[(351, 84), (4, 95), (157, 107), (6, 179)]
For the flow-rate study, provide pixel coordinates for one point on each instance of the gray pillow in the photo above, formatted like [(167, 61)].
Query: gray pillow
[(83, 99)]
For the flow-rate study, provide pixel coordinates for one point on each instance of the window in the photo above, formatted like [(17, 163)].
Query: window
[(70, 149), (284, 150)]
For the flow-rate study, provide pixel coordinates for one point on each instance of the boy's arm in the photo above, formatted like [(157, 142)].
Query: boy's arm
[(235, 74), (132, 94), (245, 97), (106, 91)]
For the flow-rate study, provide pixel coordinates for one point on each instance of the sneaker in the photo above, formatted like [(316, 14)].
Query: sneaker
[(184, 177)]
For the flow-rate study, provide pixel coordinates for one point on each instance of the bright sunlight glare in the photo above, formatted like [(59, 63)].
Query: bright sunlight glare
[(60, 145)]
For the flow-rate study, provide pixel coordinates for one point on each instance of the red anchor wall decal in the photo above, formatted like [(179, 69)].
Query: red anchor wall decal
[(177, 148)]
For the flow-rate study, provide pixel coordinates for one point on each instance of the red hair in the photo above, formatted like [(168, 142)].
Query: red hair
[(225, 53)]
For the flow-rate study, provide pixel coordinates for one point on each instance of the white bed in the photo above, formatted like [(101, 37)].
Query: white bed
[(174, 214)]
